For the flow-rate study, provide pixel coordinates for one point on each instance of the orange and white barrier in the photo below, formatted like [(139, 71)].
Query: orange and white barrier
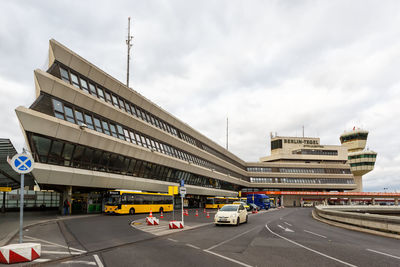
[(175, 225), (152, 221), (20, 252)]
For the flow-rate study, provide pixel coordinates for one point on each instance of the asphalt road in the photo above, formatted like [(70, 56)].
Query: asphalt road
[(286, 237)]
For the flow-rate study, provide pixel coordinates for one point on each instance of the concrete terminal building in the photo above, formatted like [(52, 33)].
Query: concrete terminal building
[(88, 133)]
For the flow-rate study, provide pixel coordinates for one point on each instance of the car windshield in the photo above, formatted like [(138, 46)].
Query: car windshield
[(229, 208)]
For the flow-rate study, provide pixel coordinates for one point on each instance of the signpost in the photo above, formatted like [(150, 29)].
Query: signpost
[(182, 191), (22, 163), (5, 189)]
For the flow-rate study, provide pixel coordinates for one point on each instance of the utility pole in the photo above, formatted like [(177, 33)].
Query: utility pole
[(128, 43), (303, 131)]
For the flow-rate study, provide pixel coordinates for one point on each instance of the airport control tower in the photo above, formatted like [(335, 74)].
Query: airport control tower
[(361, 161)]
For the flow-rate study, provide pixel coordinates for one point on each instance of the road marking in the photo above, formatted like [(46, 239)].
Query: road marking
[(98, 261), (226, 258), (173, 240), (40, 260), (288, 224), (314, 234), (310, 249), (60, 252), (192, 246), (226, 241), (285, 228), (79, 262), (396, 257), (51, 243)]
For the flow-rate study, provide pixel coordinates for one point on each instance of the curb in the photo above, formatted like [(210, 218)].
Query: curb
[(10, 236), (354, 228)]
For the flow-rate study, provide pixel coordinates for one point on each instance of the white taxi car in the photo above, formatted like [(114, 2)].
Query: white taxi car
[(231, 214)]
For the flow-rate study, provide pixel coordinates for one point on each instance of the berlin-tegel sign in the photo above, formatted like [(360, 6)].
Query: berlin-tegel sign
[(22, 163)]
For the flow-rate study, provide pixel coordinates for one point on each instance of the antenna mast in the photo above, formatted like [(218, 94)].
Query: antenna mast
[(128, 43)]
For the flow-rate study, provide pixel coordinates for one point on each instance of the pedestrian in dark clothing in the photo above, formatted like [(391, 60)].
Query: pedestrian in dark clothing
[(66, 206)]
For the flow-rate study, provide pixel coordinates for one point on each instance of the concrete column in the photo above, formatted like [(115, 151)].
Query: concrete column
[(396, 201), (373, 201), (358, 182), (3, 207), (66, 194), (325, 202), (349, 201)]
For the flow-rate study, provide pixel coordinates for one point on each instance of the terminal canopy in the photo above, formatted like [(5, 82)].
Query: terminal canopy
[(8, 177)]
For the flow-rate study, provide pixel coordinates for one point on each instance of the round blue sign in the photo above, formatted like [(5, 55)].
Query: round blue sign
[(22, 163)]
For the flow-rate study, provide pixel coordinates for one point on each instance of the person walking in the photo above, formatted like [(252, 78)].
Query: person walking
[(66, 206)]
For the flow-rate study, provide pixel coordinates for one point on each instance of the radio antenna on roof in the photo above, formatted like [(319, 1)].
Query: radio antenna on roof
[(128, 43)]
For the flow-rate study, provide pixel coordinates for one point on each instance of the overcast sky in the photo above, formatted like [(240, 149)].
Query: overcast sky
[(270, 66)]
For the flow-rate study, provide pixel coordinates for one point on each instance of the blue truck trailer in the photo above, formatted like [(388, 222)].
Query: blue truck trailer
[(260, 200)]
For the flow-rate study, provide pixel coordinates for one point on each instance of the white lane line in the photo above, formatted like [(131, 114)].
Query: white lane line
[(192, 246), (98, 261), (60, 252), (288, 224), (285, 228), (315, 234), (58, 245), (226, 258), (40, 260), (310, 249), (173, 240), (396, 257), (226, 241), (80, 262)]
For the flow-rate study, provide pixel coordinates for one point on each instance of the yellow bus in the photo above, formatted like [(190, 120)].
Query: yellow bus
[(131, 202), (219, 202)]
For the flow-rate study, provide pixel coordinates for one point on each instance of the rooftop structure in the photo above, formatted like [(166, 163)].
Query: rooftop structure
[(361, 161)]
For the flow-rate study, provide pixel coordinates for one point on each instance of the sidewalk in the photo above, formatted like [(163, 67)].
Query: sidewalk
[(9, 221)]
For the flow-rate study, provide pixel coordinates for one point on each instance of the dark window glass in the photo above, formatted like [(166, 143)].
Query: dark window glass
[(131, 167), (128, 107), (42, 146), (87, 157), (120, 132), (55, 153), (89, 121), (64, 74), (115, 101), (75, 81), (108, 97), (105, 127), (96, 161), (92, 88), (79, 117), (138, 140), (84, 85), (58, 109), (113, 130), (69, 114), (77, 157), (67, 154), (97, 125), (100, 93), (105, 159), (121, 103), (132, 135), (134, 110), (126, 133)]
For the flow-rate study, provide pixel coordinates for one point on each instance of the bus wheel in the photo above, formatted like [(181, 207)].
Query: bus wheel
[(161, 209), (132, 211)]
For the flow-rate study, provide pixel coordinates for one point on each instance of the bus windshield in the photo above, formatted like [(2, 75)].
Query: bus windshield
[(114, 200)]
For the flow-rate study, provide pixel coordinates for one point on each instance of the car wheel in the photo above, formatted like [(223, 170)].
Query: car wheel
[(132, 211), (216, 224), (237, 221), (247, 218)]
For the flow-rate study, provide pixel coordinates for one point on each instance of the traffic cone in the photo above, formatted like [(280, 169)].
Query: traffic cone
[(204, 211), (151, 214), (208, 214), (161, 215), (186, 212), (197, 213)]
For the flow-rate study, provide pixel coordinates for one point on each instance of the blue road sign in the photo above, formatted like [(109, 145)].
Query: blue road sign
[(182, 183), (22, 163)]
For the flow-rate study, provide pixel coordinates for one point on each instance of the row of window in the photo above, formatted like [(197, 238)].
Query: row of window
[(300, 170), (363, 156), (302, 180), (315, 152), (355, 136), (145, 199), (362, 164), (94, 122), (58, 152), (94, 89)]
